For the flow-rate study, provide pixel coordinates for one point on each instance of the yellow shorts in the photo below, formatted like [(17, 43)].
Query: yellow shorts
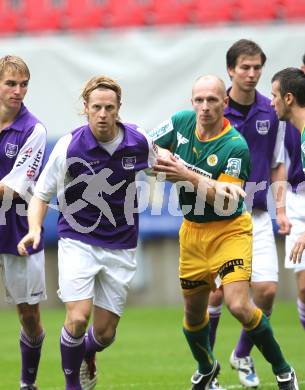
[(221, 248)]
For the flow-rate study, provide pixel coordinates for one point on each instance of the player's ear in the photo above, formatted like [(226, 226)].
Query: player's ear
[(226, 100)]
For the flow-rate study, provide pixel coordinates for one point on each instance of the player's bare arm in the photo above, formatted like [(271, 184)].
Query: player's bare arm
[(279, 186), (36, 213)]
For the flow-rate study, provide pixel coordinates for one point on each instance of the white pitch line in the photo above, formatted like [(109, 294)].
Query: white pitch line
[(176, 386)]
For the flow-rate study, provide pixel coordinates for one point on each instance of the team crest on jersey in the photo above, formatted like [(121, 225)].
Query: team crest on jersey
[(212, 160), (263, 127), (11, 150), (129, 162), (181, 140), (233, 167)]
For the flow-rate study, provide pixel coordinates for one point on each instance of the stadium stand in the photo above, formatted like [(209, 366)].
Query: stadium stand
[(214, 11), (18, 16), (293, 10), (85, 14), (133, 13), (10, 12), (262, 11), (171, 12), (45, 17)]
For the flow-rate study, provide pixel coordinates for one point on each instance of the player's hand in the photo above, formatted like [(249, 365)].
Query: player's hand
[(30, 239), (229, 190), (297, 250), (175, 170), (284, 224)]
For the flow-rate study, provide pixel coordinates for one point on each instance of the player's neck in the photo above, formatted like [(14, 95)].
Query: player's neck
[(7, 116), (298, 118), (207, 132), (245, 98)]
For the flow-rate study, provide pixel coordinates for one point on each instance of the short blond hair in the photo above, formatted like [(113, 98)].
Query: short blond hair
[(101, 82), (15, 65)]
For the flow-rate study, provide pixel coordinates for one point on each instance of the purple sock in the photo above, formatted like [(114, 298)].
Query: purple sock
[(301, 311), (92, 345), (215, 313), (30, 355), (245, 344), (72, 354)]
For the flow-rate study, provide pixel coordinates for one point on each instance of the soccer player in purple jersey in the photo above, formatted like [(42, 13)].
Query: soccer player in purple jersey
[(92, 171), (251, 114), (22, 140), (288, 90)]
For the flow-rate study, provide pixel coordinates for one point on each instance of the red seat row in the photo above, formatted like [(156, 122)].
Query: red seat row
[(54, 15)]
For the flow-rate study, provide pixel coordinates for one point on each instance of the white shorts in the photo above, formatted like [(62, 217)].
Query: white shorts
[(87, 271), (265, 261), (295, 209), (24, 278)]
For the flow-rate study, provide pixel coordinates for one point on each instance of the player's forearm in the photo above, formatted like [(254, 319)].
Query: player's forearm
[(279, 188), (36, 213), (204, 186)]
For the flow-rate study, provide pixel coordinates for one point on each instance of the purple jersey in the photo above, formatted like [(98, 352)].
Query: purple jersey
[(293, 154), (260, 128), (96, 190), (21, 155)]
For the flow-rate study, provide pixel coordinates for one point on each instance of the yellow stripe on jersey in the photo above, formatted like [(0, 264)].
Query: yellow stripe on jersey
[(226, 128), (230, 179)]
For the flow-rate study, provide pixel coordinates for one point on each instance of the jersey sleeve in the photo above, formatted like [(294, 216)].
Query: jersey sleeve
[(237, 166), (28, 163), (53, 175), (279, 148), (152, 148), (164, 134)]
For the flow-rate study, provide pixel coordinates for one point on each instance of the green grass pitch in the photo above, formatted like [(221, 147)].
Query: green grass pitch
[(150, 352)]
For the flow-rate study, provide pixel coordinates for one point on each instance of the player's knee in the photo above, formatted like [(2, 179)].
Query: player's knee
[(267, 297), (30, 320), (239, 310), (77, 324), (105, 336)]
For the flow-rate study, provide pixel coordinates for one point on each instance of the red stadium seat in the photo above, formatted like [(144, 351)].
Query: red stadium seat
[(171, 11), (42, 15), (214, 11), (293, 9), (257, 11), (10, 16), (130, 13), (85, 14)]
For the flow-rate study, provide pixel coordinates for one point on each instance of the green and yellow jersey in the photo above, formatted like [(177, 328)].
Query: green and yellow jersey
[(225, 158)]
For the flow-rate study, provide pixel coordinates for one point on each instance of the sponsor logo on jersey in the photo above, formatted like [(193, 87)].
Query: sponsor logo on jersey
[(263, 126), (129, 162), (193, 167), (11, 150), (27, 154), (212, 160), (164, 128), (34, 165), (181, 140), (233, 167), (196, 152)]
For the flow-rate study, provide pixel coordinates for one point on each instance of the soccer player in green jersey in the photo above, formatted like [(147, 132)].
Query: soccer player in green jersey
[(214, 241), (288, 100)]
